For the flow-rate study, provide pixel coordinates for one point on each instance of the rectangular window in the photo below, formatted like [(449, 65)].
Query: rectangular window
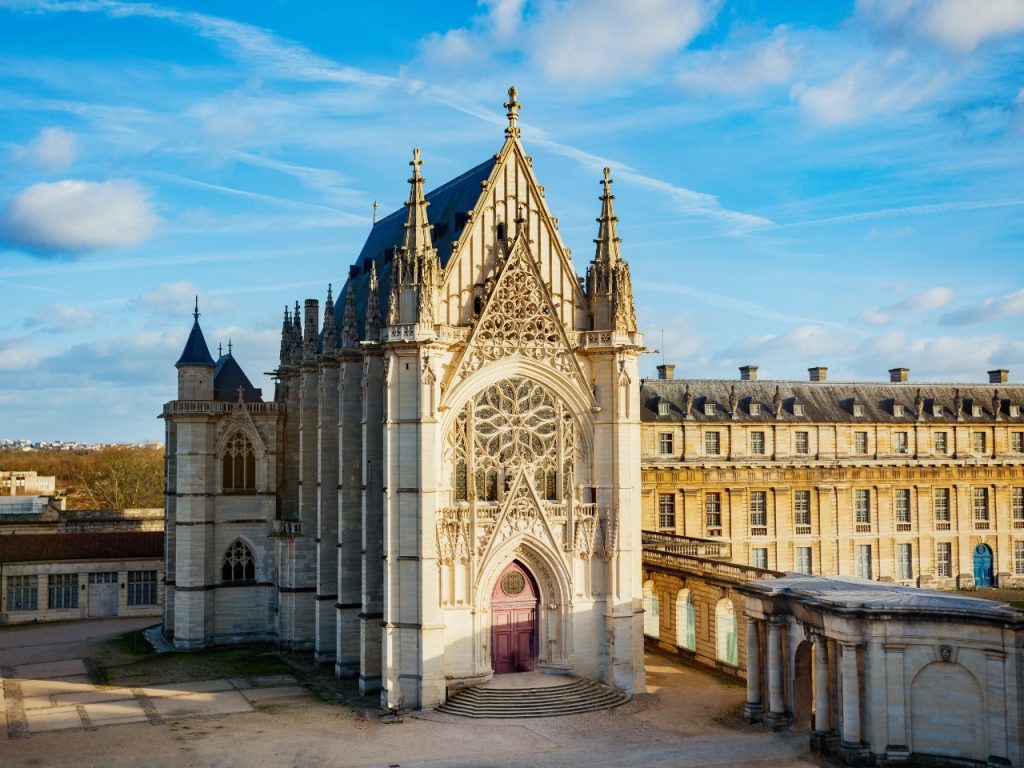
[(665, 442), (803, 560), (22, 593), (757, 442), (666, 510), (1017, 507), (864, 561), (802, 510), (1017, 442), (62, 590), (1018, 557), (901, 508), (713, 513), (904, 566), (801, 444), (758, 513), (941, 446), (862, 508), (980, 507), (759, 557), (978, 441), (712, 443), (944, 560), (860, 443), (142, 588), (940, 505), (902, 443)]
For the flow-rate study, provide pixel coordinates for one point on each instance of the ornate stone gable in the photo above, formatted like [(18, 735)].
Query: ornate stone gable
[(521, 514), (519, 318)]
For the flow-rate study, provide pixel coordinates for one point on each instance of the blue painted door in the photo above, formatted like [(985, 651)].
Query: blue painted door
[(983, 566)]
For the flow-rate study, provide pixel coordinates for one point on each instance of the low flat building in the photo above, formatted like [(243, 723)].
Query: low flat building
[(26, 483)]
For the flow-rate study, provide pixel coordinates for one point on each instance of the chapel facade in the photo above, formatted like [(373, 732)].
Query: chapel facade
[(446, 485)]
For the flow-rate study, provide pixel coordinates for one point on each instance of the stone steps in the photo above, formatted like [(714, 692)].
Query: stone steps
[(551, 701)]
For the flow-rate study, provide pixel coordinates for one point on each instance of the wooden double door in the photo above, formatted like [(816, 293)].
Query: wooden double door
[(514, 621)]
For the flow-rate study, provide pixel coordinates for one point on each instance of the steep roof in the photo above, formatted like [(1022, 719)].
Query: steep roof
[(196, 352), (448, 205), (824, 401), (53, 547), (228, 376)]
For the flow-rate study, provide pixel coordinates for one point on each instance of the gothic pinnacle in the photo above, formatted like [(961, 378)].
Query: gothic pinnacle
[(513, 107), (417, 238), (607, 234), (329, 338)]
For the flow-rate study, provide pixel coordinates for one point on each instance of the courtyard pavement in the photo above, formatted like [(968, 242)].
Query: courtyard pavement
[(55, 715)]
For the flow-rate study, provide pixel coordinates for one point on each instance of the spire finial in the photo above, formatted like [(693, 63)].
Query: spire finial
[(220, 350), (513, 107), (195, 314), (375, 207), (607, 181), (415, 162), (229, 346), (607, 233), (329, 296)]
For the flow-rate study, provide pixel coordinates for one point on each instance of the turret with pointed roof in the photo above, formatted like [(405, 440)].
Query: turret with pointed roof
[(195, 366), (609, 288), (329, 337), (416, 271)]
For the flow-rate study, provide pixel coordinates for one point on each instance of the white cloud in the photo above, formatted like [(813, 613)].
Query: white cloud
[(937, 357), (53, 148), (73, 215), (961, 25), (178, 299), (608, 39), (739, 71), (992, 308), (867, 89), (62, 318), (18, 354), (809, 342), (923, 301)]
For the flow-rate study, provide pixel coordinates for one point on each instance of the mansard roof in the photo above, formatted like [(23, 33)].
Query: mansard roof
[(449, 205), (825, 401), (195, 352), (228, 376)]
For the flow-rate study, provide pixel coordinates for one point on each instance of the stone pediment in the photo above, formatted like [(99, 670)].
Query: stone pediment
[(521, 514)]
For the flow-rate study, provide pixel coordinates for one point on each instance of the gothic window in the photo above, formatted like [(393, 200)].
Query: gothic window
[(515, 425), (239, 464), (686, 624), (239, 564), (725, 626)]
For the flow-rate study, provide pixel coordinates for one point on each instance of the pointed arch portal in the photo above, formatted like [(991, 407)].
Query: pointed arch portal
[(514, 621)]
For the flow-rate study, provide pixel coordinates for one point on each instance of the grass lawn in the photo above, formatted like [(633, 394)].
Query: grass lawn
[(130, 661)]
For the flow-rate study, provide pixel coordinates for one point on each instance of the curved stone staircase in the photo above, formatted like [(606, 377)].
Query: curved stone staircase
[(574, 696)]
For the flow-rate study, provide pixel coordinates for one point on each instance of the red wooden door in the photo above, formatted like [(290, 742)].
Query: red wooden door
[(513, 622)]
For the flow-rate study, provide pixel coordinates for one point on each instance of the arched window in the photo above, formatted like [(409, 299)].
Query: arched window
[(725, 634), (239, 563), (686, 624), (652, 611), (239, 464)]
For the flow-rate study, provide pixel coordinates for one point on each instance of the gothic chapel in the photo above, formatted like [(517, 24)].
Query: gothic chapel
[(446, 485)]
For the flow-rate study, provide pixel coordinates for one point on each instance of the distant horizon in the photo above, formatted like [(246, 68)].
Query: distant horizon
[(800, 184)]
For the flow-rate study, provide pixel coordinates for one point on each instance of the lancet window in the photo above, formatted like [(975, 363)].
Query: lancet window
[(239, 563), (512, 426), (239, 464)]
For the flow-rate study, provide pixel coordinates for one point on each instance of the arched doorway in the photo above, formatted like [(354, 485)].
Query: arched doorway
[(514, 621), (983, 576), (802, 688)]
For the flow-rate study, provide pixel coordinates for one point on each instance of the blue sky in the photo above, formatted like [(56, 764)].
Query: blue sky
[(798, 184)]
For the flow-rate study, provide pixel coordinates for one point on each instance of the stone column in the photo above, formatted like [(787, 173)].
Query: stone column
[(753, 710), (777, 717), (822, 719), (851, 697)]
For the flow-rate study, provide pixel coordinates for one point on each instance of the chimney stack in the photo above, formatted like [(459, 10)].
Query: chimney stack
[(819, 373), (666, 371), (748, 373), (898, 375), (998, 376)]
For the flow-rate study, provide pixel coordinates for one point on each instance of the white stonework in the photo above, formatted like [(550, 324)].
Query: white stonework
[(468, 402)]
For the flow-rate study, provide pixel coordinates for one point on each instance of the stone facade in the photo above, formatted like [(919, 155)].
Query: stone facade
[(917, 484), (26, 483), (467, 402)]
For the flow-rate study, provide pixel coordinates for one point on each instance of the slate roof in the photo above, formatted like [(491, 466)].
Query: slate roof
[(846, 593), (228, 376), (54, 547), (824, 401), (448, 205), (196, 352)]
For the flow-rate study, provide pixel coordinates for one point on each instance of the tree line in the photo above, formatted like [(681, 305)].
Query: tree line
[(120, 477)]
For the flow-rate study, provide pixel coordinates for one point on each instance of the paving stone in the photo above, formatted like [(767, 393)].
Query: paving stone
[(180, 689), (274, 692), (268, 680), (50, 669), (111, 712), (93, 696), (35, 688), (53, 719), (201, 704)]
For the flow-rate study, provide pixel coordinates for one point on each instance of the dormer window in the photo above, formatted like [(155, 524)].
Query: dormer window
[(897, 409), (858, 409), (663, 408), (937, 410), (976, 410), (755, 409), (1014, 410), (798, 409), (709, 409)]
